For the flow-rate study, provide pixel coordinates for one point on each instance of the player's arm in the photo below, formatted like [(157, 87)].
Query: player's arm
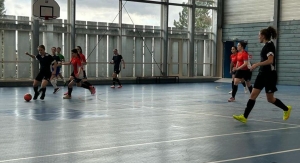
[(80, 68), (269, 61), (111, 62), (30, 55), (243, 65), (123, 62), (83, 60), (66, 63), (231, 67)]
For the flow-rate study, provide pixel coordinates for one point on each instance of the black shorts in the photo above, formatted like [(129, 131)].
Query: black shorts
[(77, 80), (267, 80), (233, 72), (46, 75), (243, 74), (117, 71)]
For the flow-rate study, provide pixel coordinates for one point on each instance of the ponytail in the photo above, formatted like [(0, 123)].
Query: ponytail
[(269, 33)]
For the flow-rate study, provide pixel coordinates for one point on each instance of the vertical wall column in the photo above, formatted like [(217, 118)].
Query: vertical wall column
[(277, 4), (120, 27), (191, 34), (219, 51), (35, 41), (164, 34), (72, 18)]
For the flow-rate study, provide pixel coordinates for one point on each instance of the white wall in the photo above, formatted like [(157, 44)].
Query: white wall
[(290, 10), (248, 11)]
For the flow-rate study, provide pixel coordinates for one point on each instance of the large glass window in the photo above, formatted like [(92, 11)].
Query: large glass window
[(140, 39)]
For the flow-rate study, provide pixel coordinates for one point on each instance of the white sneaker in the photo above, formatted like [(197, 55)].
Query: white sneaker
[(230, 92), (246, 89)]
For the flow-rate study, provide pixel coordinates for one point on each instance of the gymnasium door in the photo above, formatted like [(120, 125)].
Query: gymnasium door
[(175, 63)]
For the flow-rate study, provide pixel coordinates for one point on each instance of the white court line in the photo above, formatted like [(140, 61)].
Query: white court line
[(142, 144), (255, 156), (216, 115)]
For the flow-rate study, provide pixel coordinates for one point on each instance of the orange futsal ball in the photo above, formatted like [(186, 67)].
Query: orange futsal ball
[(27, 97)]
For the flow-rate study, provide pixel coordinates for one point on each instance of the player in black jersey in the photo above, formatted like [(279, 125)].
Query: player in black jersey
[(46, 61), (53, 79), (116, 60), (267, 76)]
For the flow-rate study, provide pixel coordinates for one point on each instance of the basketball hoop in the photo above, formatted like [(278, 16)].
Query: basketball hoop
[(46, 9), (48, 17)]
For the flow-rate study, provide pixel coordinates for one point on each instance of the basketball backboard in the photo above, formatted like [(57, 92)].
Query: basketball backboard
[(46, 9)]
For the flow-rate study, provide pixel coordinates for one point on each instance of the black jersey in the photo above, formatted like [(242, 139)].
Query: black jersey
[(117, 60), (45, 62), (267, 50), (56, 58)]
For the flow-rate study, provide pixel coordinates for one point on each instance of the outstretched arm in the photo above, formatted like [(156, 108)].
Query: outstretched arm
[(32, 56)]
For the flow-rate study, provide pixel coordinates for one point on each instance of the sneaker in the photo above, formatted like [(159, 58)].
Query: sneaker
[(230, 92), (42, 96), (56, 90), (240, 118), (112, 86), (245, 89), (120, 86), (231, 99), (67, 97), (36, 95), (286, 114), (66, 93), (93, 90)]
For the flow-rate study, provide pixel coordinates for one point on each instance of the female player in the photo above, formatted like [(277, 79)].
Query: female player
[(116, 60), (242, 70), (77, 74), (233, 58), (46, 61), (83, 62), (267, 76)]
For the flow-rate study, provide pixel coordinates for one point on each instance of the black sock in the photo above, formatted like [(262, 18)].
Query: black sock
[(35, 89), (244, 84), (87, 83), (250, 89), (85, 86), (249, 107), (232, 84), (234, 90), (43, 90), (118, 81), (70, 91), (279, 104), (114, 81)]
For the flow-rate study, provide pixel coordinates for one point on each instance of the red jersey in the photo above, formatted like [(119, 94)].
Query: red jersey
[(233, 58), (82, 57), (241, 57), (76, 63), (83, 60)]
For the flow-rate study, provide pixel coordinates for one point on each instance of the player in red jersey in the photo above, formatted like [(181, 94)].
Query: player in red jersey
[(242, 70), (233, 58), (77, 74), (84, 79)]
